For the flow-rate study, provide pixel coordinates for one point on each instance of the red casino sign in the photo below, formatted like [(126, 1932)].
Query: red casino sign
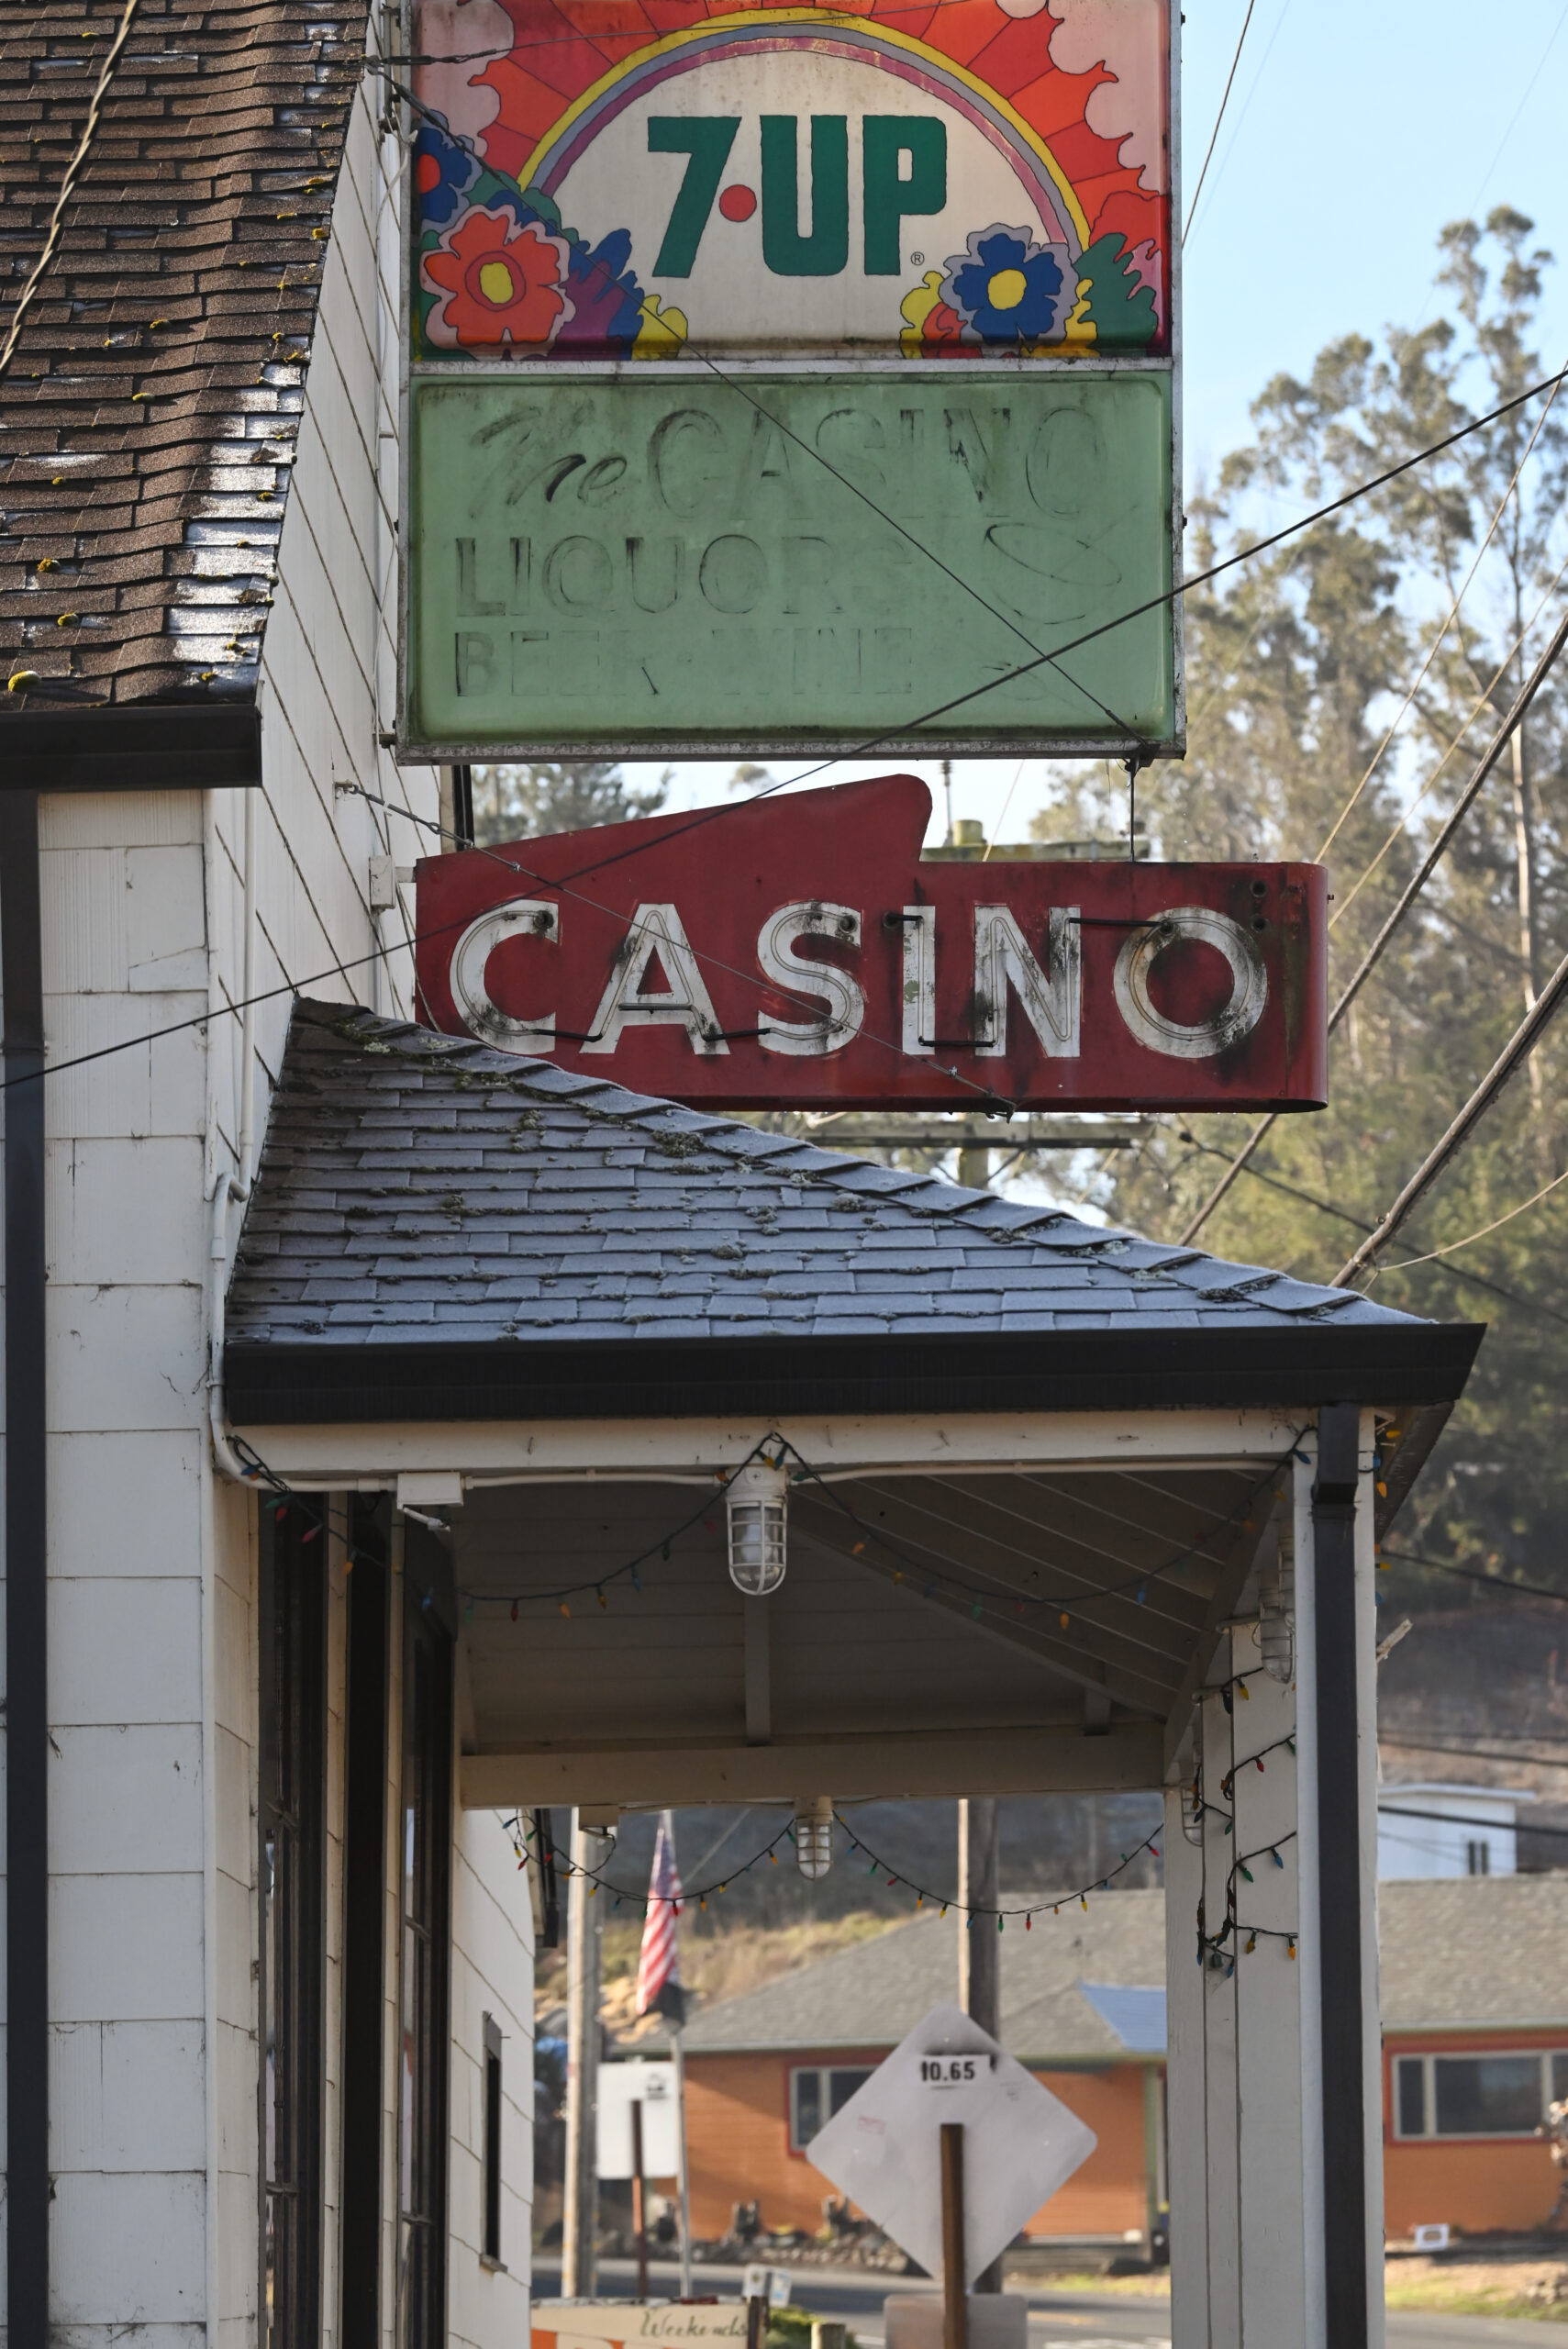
[(799, 952)]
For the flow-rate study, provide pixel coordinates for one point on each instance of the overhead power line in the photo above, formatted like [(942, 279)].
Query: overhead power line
[(1358, 1223), (1407, 897), (1470, 1239), (342, 965), (1219, 118), (1451, 615), (1106, 628), (73, 171), (1473, 1574), (1517, 1049)]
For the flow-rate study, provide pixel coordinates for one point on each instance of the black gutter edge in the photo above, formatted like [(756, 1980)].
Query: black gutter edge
[(1339, 1666), (26, 1582), (301, 1382), (134, 746)]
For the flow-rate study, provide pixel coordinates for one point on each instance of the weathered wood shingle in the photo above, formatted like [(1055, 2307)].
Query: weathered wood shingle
[(148, 413)]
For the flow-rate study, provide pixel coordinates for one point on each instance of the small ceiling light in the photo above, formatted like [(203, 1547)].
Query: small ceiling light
[(813, 1836), (756, 1504)]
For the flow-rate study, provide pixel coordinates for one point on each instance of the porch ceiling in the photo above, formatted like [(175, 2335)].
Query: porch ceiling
[(916, 1646)]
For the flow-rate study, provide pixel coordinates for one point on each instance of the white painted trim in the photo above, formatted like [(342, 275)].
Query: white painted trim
[(1311, 1989), (1184, 2062), (626, 1451), (1366, 1742)]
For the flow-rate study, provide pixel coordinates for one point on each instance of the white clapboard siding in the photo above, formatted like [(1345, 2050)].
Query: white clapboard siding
[(153, 1668)]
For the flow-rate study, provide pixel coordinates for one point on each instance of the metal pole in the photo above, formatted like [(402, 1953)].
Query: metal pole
[(956, 2305), (638, 2202), (579, 2211), (682, 2186), (979, 1943)]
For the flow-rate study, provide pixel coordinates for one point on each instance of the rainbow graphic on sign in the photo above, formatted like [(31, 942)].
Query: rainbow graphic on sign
[(616, 179)]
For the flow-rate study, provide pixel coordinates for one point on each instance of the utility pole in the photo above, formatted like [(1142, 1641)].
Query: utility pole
[(979, 1942), (947, 788), (580, 2210)]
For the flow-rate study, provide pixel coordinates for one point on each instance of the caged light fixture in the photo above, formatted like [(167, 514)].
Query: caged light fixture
[(756, 1505), (813, 1836)]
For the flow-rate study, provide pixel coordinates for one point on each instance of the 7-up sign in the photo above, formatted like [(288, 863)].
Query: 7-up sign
[(903, 172), (788, 198)]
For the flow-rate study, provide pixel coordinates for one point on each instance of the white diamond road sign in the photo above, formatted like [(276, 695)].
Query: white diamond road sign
[(883, 2148)]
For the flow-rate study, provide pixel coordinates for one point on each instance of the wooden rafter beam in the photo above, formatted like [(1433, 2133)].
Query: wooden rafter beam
[(853, 1767)]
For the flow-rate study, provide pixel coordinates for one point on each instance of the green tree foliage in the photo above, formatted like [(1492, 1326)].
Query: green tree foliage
[(1300, 666), (556, 795)]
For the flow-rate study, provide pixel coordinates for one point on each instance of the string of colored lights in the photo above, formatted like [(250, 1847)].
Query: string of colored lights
[(1055, 1903), (1265, 1851), (598, 1882), (1250, 1760)]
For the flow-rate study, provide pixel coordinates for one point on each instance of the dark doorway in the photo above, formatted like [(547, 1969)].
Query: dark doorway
[(424, 2003), (292, 1873), (364, 1920)]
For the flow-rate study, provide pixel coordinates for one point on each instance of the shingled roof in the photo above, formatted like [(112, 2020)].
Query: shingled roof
[(867, 1997), (1469, 1952), (150, 407), (443, 1216)]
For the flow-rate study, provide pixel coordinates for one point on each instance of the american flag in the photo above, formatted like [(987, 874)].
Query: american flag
[(659, 1967)]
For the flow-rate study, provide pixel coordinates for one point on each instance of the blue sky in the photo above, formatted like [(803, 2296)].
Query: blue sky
[(1356, 128)]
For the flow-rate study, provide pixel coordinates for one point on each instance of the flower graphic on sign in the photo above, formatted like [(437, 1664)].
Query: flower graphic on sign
[(661, 329), (1009, 288), (499, 282), (930, 325), (605, 299), (443, 174)]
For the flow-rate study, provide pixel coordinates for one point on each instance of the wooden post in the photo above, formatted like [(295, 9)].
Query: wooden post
[(580, 2210), (638, 2206), (979, 1943), (682, 2182), (955, 2303)]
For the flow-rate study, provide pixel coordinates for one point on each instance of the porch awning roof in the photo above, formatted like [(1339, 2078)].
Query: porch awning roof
[(441, 1232), (1028, 1448)]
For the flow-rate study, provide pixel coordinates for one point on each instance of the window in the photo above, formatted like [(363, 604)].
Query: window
[(291, 1864), (1475, 2096), (815, 2093), (1478, 1858), (423, 1991), (490, 2242), (1410, 2093)]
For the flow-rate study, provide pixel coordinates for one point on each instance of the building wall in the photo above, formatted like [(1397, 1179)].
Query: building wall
[(1474, 2184), (492, 1973), (153, 1662), (738, 2145)]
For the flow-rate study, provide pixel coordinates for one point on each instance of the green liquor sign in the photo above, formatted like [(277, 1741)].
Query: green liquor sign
[(791, 378)]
